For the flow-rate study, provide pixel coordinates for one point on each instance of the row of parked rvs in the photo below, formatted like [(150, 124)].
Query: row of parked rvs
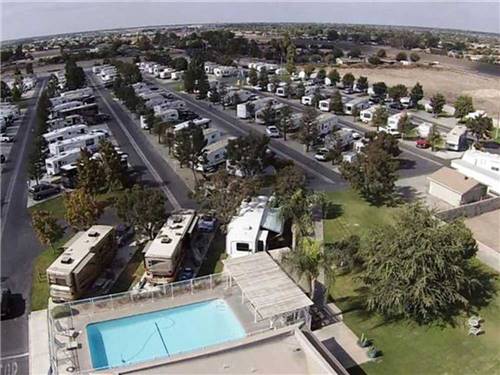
[(159, 71)]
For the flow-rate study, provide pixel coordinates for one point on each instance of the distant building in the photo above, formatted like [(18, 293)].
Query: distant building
[(454, 188)]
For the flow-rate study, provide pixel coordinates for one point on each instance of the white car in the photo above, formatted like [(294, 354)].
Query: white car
[(321, 154), (390, 131), (272, 131), (5, 138), (355, 134)]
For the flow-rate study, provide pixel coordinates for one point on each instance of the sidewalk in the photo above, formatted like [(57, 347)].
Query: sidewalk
[(39, 342)]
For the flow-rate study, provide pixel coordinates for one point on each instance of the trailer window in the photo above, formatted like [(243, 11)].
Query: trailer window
[(242, 246)]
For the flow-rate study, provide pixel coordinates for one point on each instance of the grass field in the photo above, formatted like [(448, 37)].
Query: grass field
[(350, 214), (407, 347)]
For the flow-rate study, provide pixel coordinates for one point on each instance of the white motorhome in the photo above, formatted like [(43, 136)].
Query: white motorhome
[(62, 122), (201, 122), (324, 105), (456, 139), (225, 71), (166, 73), (54, 163), (214, 155), (169, 115), (179, 105), (259, 119), (243, 109), (393, 121), (209, 67), (65, 133), (342, 136), (88, 141), (176, 75), (96, 69), (251, 228), (360, 103), (482, 166), (326, 123), (212, 135), (366, 115), (424, 129), (307, 99), (282, 91)]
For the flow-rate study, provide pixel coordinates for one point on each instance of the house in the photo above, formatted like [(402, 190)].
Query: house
[(454, 188), (456, 139), (83, 258), (481, 166), (250, 230)]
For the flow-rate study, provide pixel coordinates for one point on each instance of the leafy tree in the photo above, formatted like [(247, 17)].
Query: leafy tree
[(113, 171), (288, 180), (346, 253), (263, 78), (362, 83), (414, 57), (253, 77), (285, 121), (300, 90), (416, 93), (5, 93), (397, 92), (309, 128), (16, 93), (337, 53), (290, 58), (463, 106), (321, 74), (82, 210), (248, 154), (386, 142), (354, 53), (437, 103), (29, 68), (372, 174), (419, 267), (223, 194), (309, 260), (332, 35), (268, 114), (401, 56), (379, 89), (144, 208), (434, 138), (334, 76), (203, 86), (404, 125), (75, 76), (46, 228), (381, 53), (348, 80), (480, 127), (36, 160), (336, 104), (380, 117), (374, 60), (90, 173), (179, 63), (189, 145)]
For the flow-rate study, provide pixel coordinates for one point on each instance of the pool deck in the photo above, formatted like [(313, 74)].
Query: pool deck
[(85, 314)]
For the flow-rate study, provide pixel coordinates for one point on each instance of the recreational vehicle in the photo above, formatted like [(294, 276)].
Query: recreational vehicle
[(176, 75), (54, 163), (424, 129), (307, 100), (342, 138), (179, 105), (324, 105), (225, 71), (360, 103), (393, 121), (62, 122), (282, 91), (213, 155), (88, 141), (276, 109), (163, 255), (456, 139), (65, 133), (248, 110), (366, 115), (84, 257), (212, 135), (327, 122), (203, 122), (250, 230)]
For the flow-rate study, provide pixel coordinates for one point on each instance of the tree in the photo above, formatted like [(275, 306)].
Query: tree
[(420, 268), (144, 208), (285, 120), (346, 253), (386, 142), (332, 35), (380, 117), (16, 93), (374, 60), (223, 194), (90, 173), (416, 93), (268, 114), (362, 83), (372, 174), (290, 58), (437, 103), (414, 57), (36, 160), (434, 138), (113, 170), (179, 63), (337, 53), (253, 78), (29, 68), (354, 53), (309, 129), (397, 92), (404, 125), (309, 69), (5, 93), (248, 155), (300, 90), (336, 104), (288, 180), (263, 78), (309, 260), (82, 210), (463, 106), (321, 74), (203, 86), (189, 145), (46, 227), (480, 127), (214, 95), (401, 56), (381, 53), (334, 76), (379, 89), (75, 76), (348, 80)]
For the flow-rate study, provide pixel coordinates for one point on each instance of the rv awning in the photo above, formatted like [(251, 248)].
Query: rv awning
[(273, 220)]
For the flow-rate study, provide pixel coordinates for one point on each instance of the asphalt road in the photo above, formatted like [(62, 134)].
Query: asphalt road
[(142, 155), (19, 246)]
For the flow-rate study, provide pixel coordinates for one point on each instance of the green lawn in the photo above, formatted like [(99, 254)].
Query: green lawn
[(412, 349), (213, 262), (131, 274), (39, 285), (350, 214)]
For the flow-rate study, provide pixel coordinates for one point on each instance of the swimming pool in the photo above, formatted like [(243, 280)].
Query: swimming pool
[(162, 333)]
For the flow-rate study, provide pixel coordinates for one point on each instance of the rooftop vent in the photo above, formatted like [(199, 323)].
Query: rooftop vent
[(177, 218), (94, 234), (66, 259), (165, 239)]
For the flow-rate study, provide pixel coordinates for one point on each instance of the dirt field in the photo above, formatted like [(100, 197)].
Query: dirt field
[(485, 90)]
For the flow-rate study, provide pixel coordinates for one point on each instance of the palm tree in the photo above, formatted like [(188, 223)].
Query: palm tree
[(309, 260)]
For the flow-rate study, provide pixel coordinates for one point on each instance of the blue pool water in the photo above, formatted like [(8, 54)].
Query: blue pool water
[(162, 333)]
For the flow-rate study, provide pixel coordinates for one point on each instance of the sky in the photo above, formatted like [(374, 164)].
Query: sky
[(25, 19)]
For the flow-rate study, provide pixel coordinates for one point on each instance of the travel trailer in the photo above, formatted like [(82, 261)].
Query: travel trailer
[(225, 71), (248, 110), (342, 136), (65, 133), (212, 135), (176, 75), (326, 123), (83, 259), (203, 122), (166, 73), (307, 99), (282, 91), (393, 121), (456, 139), (214, 155), (251, 229), (163, 255), (360, 103), (366, 115), (424, 129), (179, 105), (259, 119), (88, 141), (87, 111), (324, 105), (54, 164), (62, 122)]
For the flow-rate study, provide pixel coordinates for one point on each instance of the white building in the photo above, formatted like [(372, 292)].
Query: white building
[(250, 230), (482, 166), (454, 188)]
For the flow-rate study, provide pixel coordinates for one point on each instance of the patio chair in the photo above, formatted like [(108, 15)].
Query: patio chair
[(68, 332), (475, 331)]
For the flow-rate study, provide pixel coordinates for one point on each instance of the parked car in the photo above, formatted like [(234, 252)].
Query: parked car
[(186, 274), (43, 190), (124, 234), (207, 223), (6, 138), (272, 131), (321, 154), (423, 143)]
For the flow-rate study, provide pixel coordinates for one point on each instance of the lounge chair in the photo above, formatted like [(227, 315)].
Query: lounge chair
[(475, 331), (68, 332)]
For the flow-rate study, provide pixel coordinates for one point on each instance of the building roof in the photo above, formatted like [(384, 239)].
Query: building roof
[(453, 180), (268, 288)]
